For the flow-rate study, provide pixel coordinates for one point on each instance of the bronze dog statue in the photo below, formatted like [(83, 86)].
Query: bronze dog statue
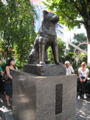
[(46, 37)]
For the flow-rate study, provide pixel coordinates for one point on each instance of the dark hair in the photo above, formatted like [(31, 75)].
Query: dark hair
[(9, 61)]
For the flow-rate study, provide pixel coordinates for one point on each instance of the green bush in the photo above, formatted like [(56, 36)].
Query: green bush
[(75, 59)]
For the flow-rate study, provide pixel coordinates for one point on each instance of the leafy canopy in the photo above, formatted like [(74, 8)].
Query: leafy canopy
[(17, 31), (72, 12)]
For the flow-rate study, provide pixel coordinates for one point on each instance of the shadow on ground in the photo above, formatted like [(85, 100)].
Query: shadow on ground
[(82, 110)]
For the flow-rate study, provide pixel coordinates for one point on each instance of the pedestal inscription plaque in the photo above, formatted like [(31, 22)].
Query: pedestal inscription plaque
[(59, 96)]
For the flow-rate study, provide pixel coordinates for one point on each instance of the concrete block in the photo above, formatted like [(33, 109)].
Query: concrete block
[(44, 97)]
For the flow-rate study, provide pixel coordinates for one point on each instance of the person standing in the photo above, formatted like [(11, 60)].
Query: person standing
[(8, 86), (83, 72), (1, 71)]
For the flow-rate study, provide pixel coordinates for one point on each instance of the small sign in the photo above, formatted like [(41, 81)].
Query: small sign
[(59, 96)]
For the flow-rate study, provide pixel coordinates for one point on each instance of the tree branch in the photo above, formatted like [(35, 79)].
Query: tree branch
[(79, 21), (78, 9)]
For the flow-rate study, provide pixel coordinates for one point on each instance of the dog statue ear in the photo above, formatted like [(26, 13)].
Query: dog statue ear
[(45, 12)]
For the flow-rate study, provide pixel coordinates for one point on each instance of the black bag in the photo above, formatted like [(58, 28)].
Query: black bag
[(5, 77)]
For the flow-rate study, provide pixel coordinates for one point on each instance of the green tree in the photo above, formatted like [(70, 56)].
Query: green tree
[(2, 15), (75, 59), (78, 40), (18, 32), (72, 12), (24, 34)]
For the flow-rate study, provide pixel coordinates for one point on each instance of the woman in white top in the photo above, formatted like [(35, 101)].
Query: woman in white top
[(83, 72)]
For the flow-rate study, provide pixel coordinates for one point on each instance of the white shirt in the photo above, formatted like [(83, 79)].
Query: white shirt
[(69, 70), (83, 74)]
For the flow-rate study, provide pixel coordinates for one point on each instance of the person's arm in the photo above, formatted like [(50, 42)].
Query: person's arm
[(8, 72), (72, 70), (79, 75), (86, 75), (2, 73)]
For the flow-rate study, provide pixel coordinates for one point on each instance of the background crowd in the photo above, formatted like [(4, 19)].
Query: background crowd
[(83, 80)]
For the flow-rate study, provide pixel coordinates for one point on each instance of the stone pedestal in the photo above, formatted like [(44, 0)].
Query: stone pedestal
[(44, 97), (45, 70)]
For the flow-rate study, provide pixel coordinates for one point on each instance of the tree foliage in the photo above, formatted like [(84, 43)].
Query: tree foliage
[(75, 59), (2, 15), (72, 12), (25, 30), (18, 31)]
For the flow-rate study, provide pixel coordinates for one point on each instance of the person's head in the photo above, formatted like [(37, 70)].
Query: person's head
[(11, 61), (83, 64), (67, 64)]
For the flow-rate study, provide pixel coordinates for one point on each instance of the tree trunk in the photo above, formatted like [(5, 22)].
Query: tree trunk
[(88, 60), (88, 35)]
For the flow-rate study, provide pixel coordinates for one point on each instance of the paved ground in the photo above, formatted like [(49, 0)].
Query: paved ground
[(82, 111), (5, 112)]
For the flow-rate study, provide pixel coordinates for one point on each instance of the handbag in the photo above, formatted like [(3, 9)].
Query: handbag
[(5, 77)]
